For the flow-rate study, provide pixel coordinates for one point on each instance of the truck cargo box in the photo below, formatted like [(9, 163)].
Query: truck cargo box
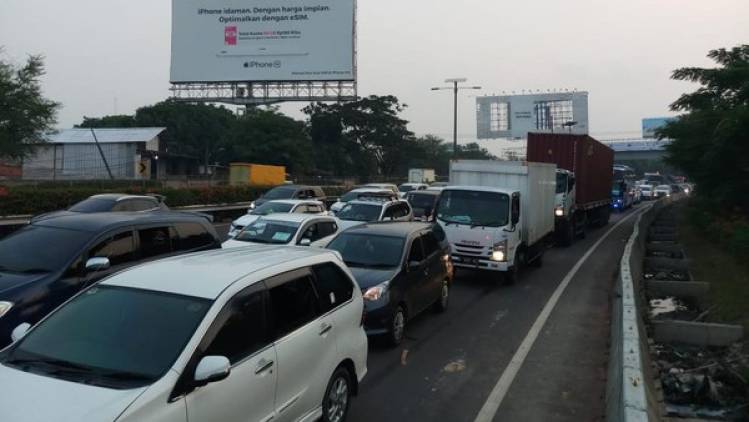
[(590, 160), (536, 183), (256, 174)]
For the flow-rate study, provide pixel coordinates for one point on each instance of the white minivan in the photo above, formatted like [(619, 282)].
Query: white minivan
[(249, 334)]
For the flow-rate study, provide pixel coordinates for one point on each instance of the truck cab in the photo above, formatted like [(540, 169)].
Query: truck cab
[(564, 202)]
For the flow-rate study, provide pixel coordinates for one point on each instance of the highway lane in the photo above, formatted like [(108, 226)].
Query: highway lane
[(450, 362)]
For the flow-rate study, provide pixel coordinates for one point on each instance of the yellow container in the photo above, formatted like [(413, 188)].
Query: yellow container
[(256, 174)]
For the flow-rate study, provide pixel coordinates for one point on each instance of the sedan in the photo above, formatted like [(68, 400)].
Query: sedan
[(402, 268)]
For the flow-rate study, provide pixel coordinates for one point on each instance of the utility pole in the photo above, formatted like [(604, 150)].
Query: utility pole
[(96, 140), (455, 88)]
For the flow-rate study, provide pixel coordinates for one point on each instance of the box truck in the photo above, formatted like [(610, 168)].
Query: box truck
[(421, 176), (256, 174), (583, 180), (498, 215)]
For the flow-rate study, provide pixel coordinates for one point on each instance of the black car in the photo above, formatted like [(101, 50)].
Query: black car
[(291, 192), (402, 269), (48, 261), (112, 202), (423, 202)]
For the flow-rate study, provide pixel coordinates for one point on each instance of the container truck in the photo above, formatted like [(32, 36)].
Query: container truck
[(583, 180), (421, 176), (496, 214)]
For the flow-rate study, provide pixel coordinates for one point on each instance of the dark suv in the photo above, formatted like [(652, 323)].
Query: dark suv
[(48, 261), (402, 269)]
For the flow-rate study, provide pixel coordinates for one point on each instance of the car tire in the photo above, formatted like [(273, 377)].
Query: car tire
[(444, 300), (397, 330), (337, 397)]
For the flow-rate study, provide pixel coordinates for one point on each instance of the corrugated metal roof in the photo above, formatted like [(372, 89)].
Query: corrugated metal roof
[(110, 136)]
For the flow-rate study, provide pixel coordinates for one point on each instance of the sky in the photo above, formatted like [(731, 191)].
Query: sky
[(113, 56)]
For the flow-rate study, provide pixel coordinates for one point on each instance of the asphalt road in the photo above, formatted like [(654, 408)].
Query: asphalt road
[(449, 363)]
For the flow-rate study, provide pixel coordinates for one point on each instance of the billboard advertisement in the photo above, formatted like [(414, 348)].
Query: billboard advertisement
[(651, 124), (262, 40)]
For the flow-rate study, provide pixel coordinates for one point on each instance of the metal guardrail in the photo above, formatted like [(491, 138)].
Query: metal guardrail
[(629, 390)]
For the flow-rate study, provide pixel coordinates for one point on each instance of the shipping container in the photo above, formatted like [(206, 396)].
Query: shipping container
[(590, 160), (256, 174)]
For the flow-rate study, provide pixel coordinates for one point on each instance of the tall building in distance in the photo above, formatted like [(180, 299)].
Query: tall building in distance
[(514, 116)]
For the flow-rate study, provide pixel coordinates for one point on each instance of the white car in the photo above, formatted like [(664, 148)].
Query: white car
[(372, 210), (662, 191), (356, 194), (287, 229), (408, 187), (386, 186), (646, 191), (286, 206), (257, 334)]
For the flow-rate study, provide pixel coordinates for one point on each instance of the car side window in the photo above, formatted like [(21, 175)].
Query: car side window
[(143, 204), (312, 232), (119, 248), (314, 209), (244, 332), (300, 209), (416, 253), (155, 241), (389, 212), (192, 236), (430, 244), (294, 304), (121, 206), (326, 229), (334, 288)]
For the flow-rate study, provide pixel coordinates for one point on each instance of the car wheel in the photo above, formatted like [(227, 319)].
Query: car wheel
[(398, 326), (441, 304), (337, 396)]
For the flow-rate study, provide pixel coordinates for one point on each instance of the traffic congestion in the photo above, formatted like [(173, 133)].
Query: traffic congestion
[(138, 307)]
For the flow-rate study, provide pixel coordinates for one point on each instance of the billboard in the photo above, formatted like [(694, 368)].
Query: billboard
[(262, 40), (650, 125), (514, 116)]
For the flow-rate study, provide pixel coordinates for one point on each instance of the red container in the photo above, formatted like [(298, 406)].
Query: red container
[(591, 161)]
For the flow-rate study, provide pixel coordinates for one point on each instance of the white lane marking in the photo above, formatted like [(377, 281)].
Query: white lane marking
[(491, 406)]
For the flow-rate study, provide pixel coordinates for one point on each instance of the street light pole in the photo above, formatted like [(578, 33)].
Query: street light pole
[(455, 88)]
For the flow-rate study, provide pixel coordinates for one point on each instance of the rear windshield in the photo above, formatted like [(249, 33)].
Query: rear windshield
[(280, 193), (365, 250), (272, 208), (93, 205), (421, 200)]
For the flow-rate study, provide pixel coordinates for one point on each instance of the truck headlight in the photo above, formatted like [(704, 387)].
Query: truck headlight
[(252, 206), (559, 212), (5, 307), (499, 251), (375, 293)]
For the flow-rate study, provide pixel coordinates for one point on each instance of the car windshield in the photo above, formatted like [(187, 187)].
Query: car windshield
[(406, 188), (421, 201), (280, 193), (365, 250), (561, 183), (360, 212), (111, 336), (269, 231), (93, 205), (646, 188), (476, 208), (271, 208), (616, 189), (28, 249)]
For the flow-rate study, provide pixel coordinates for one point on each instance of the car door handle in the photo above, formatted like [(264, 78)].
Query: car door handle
[(325, 329), (263, 366)]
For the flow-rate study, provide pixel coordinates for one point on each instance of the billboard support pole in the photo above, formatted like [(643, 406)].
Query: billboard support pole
[(455, 88)]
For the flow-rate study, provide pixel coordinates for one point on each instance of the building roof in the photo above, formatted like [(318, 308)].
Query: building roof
[(105, 136), (208, 274)]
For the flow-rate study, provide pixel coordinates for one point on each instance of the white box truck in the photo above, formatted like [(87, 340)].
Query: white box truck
[(421, 176), (498, 215)]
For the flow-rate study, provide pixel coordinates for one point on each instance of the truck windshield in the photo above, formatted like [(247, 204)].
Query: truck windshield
[(476, 208), (561, 183)]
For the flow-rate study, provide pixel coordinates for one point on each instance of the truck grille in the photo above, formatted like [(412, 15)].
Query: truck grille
[(472, 250)]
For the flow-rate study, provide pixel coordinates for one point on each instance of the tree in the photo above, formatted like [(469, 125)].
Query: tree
[(711, 139), (474, 151), (269, 137), (25, 114), (116, 121)]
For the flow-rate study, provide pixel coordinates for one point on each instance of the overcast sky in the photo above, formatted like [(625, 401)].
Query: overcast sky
[(107, 56)]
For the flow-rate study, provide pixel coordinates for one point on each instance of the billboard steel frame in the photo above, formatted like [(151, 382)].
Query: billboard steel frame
[(261, 93)]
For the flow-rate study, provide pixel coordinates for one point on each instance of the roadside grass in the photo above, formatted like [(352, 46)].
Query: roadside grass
[(713, 262)]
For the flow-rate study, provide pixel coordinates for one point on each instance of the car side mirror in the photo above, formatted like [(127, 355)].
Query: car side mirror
[(20, 331), (212, 369), (305, 242), (97, 264)]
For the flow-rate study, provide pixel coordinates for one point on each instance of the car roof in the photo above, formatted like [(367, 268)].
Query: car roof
[(390, 228), (375, 202), (208, 274), (297, 187), (369, 190), (295, 218), (433, 192), (414, 184), (293, 201), (96, 222), (120, 196)]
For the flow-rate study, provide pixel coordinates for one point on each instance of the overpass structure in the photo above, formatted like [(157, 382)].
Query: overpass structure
[(638, 148)]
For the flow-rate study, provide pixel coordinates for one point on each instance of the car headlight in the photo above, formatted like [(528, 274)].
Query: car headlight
[(5, 307), (375, 293), (499, 251), (559, 212), (252, 205)]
